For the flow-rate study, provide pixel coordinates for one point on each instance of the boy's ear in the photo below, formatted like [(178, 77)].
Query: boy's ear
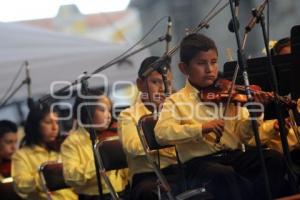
[(183, 68)]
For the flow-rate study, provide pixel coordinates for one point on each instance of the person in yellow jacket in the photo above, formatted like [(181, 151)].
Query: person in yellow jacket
[(41, 131), (142, 176), (270, 129), (270, 136), (208, 142), (77, 155), (8, 145)]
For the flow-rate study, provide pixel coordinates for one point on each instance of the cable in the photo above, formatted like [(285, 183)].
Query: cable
[(208, 17), (212, 10), (202, 24), (139, 41), (268, 20)]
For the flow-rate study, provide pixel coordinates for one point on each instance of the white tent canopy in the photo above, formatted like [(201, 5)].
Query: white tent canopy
[(57, 57)]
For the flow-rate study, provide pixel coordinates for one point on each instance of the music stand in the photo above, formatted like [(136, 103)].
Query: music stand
[(295, 47), (295, 86), (259, 75)]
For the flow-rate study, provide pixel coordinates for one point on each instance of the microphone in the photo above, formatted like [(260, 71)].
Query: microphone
[(30, 102), (28, 80), (161, 63), (168, 35), (164, 69), (230, 24), (84, 90), (257, 12)]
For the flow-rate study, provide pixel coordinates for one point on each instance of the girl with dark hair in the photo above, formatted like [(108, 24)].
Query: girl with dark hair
[(41, 132), (77, 155)]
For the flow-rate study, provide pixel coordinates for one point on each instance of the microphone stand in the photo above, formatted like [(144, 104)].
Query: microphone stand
[(93, 136), (243, 64), (24, 82), (278, 108), (47, 97)]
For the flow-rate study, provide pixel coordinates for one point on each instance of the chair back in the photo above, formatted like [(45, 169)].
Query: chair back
[(52, 176), (111, 154), (146, 132), (146, 126)]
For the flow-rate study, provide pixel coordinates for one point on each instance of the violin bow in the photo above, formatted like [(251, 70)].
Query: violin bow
[(234, 77)]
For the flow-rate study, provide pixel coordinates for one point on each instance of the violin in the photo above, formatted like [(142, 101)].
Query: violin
[(219, 93), (5, 168), (55, 145), (112, 130)]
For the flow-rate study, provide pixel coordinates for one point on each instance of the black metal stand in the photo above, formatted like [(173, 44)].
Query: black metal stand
[(282, 128), (164, 70), (164, 74), (243, 65), (93, 137)]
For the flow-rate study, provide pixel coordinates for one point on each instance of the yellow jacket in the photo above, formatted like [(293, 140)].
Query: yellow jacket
[(127, 130), (79, 165), (271, 138), (180, 122), (25, 164)]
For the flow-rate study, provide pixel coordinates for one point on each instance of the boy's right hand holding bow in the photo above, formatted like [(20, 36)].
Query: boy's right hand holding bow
[(214, 126)]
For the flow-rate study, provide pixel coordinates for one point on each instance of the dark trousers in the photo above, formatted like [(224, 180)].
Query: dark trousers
[(144, 185), (295, 154), (236, 174), (123, 195), (93, 197)]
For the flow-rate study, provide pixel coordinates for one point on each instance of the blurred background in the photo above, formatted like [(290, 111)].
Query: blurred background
[(60, 39)]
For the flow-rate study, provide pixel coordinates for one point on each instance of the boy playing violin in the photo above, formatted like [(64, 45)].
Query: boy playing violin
[(193, 126)]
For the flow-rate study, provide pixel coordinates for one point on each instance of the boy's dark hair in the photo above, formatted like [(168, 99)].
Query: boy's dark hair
[(145, 65), (192, 44), (7, 126), (33, 135), (86, 103), (280, 44)]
